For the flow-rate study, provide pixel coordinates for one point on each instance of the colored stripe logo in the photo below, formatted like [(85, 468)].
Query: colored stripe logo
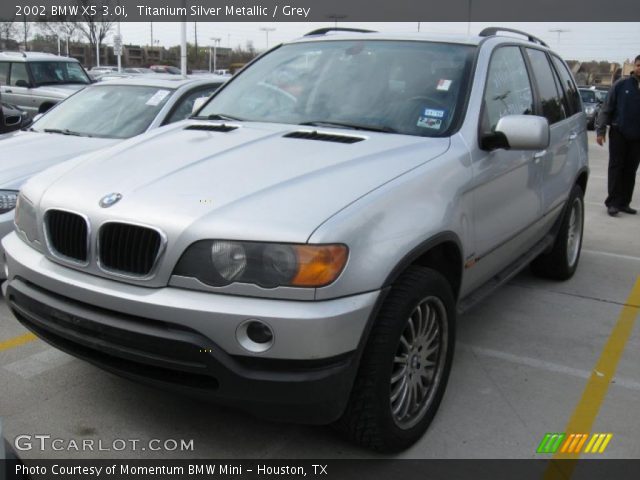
[(574, 443)]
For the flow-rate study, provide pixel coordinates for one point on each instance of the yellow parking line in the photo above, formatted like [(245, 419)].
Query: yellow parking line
[(593, 396), (17, 341)]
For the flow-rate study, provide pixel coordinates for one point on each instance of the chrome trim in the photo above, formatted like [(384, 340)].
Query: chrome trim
[(52, 251), (119, 274)]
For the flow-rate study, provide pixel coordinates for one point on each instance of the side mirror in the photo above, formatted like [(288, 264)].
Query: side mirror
[(519, 132), (198, 103), (22, 83)]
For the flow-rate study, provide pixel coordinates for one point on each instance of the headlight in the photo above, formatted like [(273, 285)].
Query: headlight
[(25, 219), (269, 265), (8, 199), (589, 110)]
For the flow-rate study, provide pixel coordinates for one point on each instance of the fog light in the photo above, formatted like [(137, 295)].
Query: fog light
[(255, 336)]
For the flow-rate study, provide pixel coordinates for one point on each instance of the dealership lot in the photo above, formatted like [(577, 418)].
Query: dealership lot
[(523, 360)]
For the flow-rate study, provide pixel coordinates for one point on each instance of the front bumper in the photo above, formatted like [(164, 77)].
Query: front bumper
[(6, 227), (186, 340)]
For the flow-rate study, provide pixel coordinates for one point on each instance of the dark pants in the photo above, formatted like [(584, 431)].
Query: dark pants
[(624, 157)]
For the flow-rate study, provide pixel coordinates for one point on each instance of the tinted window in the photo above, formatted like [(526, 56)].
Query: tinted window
[(4, 72), (550, 99), (508, 91), (19, 72), (570, 90), (48, 73), (414, 88), (185, 105)]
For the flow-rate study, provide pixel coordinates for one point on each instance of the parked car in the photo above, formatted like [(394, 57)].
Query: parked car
[(37, 81), (14, 118), (101, 115), (138, 70), (590, 105), (165, 69), (300, 248)]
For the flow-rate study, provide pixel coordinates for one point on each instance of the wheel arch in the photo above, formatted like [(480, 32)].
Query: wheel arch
[(442, 253)]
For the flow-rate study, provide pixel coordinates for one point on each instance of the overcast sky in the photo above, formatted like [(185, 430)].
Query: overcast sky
[(577, 41)]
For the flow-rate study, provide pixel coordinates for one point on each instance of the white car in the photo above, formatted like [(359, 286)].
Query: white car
[(99, 116)]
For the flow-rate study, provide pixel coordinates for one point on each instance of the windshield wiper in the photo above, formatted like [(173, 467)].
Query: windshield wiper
[(218, 116), (352, 126), (65, 131)]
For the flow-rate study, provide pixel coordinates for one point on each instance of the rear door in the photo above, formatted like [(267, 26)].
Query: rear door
[(18, 89), (564, 127)]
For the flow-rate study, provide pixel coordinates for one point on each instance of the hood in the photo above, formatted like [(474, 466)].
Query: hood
[(251, 183), (27, 153), (60, 90)]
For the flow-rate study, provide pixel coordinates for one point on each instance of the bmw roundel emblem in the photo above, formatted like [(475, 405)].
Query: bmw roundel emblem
[(109, 200)]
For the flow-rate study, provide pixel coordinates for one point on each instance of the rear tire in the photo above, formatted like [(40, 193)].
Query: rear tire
[(405, 365), (561, 262)]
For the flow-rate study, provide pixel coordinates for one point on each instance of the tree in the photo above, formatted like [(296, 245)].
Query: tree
[(93, 28), (60, 27), (7, 31)]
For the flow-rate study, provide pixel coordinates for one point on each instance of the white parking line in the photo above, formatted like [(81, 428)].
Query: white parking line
[(38, 363), (614, 255), (544, 365)]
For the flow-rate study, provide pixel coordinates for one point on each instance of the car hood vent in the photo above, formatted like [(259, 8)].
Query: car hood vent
[(323, 137), (212, 128)]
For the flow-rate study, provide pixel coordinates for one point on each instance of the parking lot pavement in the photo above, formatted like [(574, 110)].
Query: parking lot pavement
[(524, 358)]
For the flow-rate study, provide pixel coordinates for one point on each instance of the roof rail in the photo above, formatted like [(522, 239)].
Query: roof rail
[(490, 31), (323, 31)]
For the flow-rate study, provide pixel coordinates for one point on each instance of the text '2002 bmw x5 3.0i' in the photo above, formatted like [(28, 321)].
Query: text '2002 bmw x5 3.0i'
[(301, 246)]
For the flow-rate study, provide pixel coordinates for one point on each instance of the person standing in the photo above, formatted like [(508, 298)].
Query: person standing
[(621, 110)]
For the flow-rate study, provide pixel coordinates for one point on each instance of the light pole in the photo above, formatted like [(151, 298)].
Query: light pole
[(559, 31), (216, 41), (335, 17), (267, 30)]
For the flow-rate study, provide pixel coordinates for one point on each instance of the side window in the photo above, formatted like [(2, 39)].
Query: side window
[(184, 106), (550, 98), (19, 72), (570, 89), (508, 91), (4, 72)]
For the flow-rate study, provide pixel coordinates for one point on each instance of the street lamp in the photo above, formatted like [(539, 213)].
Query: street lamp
[(267, 30), (558, 31), (216, 41)]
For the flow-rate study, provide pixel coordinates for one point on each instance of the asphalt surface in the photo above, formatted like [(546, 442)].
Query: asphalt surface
[(523, 360)]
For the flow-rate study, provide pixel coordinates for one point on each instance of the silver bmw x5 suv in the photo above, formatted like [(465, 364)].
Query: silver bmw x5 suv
[(301, 246)]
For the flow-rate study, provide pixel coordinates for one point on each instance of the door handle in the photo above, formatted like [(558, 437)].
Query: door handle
[(8, 91), (573, 136), (540, 154)]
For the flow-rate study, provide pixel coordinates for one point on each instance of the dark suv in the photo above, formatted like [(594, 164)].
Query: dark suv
[(590, 105)]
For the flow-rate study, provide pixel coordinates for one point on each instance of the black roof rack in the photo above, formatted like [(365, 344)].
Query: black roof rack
[(490, 31), (323, 31)]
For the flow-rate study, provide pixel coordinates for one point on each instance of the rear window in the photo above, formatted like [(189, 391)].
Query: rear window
[(588, 96)]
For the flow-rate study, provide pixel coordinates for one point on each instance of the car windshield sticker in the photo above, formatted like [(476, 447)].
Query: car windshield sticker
[(430, 112), (428, 122), (443, 85), (157, 97)]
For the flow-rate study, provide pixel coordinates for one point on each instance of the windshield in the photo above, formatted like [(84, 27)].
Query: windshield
[(109, 111), (50, 73), (588, 96), (414, 88), (601, 95)]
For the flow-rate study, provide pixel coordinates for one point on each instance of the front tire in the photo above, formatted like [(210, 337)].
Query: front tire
[(561, 262), (405, 365)]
